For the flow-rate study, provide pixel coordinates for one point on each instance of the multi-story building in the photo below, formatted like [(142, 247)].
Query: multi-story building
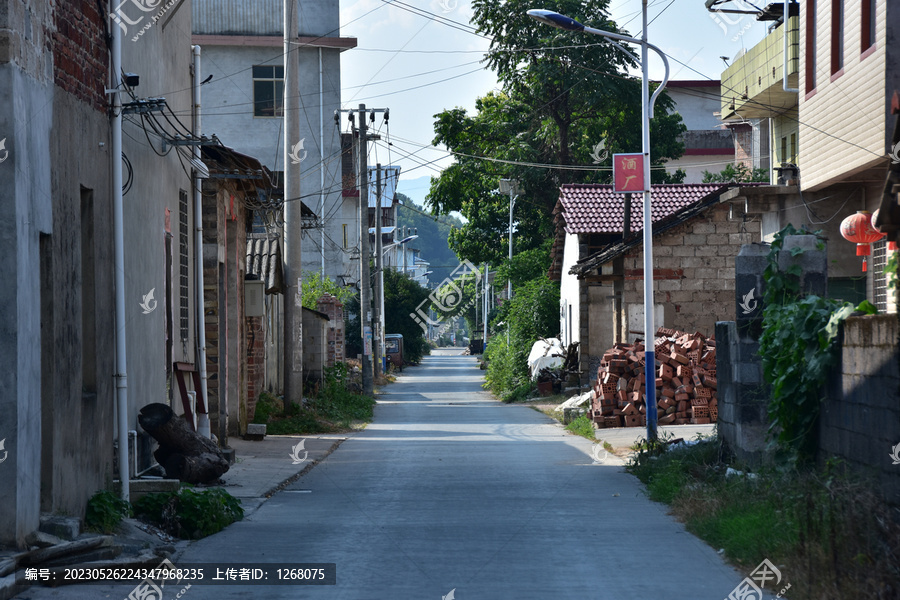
[(823, 84), (242, 45)]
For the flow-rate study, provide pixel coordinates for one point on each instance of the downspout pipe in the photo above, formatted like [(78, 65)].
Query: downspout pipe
[(786, 57), (119, 243), (203, 406)]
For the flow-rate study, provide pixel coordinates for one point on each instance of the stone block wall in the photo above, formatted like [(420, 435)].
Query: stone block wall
[(860, 418), (693, 270)]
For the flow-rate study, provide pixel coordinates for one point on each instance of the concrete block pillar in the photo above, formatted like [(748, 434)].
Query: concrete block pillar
[(743, 392)]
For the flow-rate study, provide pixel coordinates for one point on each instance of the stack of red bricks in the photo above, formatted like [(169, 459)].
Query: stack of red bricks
[(685, 382)]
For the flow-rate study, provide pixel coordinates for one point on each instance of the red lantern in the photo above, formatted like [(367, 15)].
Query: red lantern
[(892, 246), (858, 229)]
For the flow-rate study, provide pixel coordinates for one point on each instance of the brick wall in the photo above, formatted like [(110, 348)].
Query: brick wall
[(693, 271), (860, 419), (743, 144), (80, 52), (333, 307)]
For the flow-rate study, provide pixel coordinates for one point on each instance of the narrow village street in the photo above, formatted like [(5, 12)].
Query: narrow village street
[(451, 490)]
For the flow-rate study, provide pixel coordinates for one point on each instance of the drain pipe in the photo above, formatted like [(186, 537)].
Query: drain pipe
[(119, 243), (786, 58), (203, 406)]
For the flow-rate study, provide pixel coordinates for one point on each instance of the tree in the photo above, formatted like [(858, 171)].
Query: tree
[(739, 173), (315, 286), (402, 295), (563, 98)]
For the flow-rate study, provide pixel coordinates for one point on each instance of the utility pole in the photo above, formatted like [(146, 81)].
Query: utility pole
[(379, 277), (365, 282), (293, 315)]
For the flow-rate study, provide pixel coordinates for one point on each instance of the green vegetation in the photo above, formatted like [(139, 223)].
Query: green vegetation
[(189, 513), (798, 349), (739, 173), (582, 426), (829, 533), (105, 510), (333, 407), (402, 296), (564, 103), (315, 286), (532, 314)]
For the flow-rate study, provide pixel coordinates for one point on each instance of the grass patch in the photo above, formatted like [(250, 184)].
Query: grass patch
[(582, 426), (828, 532), (189, 513), (333, 408)]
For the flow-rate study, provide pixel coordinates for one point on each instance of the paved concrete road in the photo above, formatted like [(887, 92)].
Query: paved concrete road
[(451, 490)]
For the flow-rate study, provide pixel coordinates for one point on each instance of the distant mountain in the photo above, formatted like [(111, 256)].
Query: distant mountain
[(432, 241)]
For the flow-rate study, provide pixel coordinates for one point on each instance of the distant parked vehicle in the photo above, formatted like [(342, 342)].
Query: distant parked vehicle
[(393, 349)]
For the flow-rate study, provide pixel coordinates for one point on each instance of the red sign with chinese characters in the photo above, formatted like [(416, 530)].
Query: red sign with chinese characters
[(628, 173)]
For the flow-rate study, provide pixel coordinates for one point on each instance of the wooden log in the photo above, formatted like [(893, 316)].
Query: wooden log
[(186, 455)]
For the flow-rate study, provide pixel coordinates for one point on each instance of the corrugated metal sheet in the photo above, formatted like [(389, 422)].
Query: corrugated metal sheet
[(237, 17), (264, 261)]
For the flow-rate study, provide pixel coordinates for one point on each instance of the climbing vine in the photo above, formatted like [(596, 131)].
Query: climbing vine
[(798, 348)]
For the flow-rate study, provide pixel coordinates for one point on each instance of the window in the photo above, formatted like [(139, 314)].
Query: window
[(837, 35), (869, 8), (793, 155), (346, 238), (268, 91), (784, 154), (811, 58)]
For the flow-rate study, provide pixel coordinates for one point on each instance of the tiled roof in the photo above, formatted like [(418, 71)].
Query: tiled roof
[(591, 208)]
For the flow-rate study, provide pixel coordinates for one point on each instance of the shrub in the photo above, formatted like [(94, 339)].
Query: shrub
[(189, 513), (105, 511)]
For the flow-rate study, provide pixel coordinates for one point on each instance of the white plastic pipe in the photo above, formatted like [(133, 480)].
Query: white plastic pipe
[(202, 418), (119, 243)]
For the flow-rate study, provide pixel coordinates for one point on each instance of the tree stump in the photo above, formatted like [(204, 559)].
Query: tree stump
[(183, 453)]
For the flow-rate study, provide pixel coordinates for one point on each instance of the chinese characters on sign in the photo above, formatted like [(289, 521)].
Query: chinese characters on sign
[(628, 173)]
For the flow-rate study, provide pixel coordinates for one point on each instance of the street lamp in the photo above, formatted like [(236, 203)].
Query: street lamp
[(569, 24)]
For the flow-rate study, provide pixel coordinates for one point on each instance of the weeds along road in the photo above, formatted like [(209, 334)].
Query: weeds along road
[(450, 490)]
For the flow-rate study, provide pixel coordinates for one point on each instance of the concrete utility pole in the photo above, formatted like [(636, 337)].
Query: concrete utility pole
[(365, 282), (379, 278), (293, 310)]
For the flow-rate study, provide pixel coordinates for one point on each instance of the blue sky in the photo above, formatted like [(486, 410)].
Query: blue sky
[(418, 66)]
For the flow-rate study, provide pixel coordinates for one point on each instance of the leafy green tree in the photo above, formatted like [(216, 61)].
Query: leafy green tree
[(402, 295), (315, 286), (739, 173), (563, 97)]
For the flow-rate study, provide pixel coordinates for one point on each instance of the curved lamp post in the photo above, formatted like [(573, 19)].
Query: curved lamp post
[(569, 24)]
